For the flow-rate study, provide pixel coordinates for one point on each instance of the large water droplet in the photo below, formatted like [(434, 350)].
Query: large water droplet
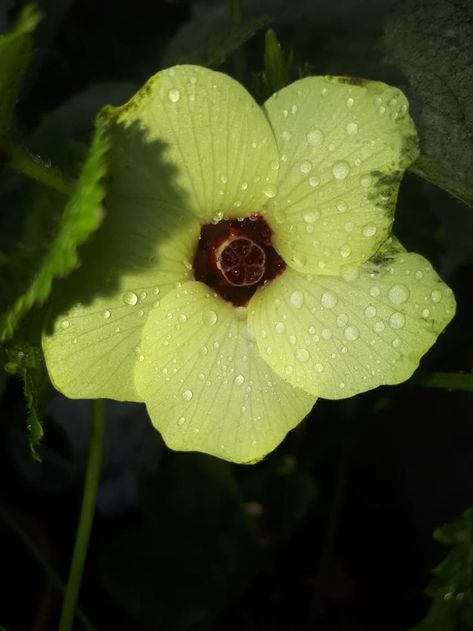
[(328, 300), (297, 299), (351, 129), (397, 320), (305, 166), (209, 317), (174, 95), (341, 169), (315, 137), (311, 217), (302, 355), (130, 298), (187, 395), (369, 230), (351, 333), (398, 294)]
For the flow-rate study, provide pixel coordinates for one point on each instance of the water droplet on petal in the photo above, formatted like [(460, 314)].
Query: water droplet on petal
[(374, 291), (370, 311), (378, 326), (286, 135), (341, 169), (351, 129), (209, 317), (187, 395), (181, 420), (436, 296), (314, 181), (425, 313), (239, 380), (269, 191), (351, 333), (297, 299), (328, 300), (280, 328), (302, 355), (65, 324), (305, 166), (342, 206), (345, 251), (274, 164), (130, 298), (369, 230), (342, 319), (326, 334), (365, 181), (398, 294), (106, 314), (315, 137), (182, 317), (174, 95), (397, 320), (350, 102), (311, 217)]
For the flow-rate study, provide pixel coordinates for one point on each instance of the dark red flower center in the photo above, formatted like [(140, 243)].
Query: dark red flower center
[(236, 257)]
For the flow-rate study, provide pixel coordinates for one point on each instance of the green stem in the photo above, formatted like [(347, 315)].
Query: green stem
[(87, 510), (20, 159), (445, 380), (239, 62)]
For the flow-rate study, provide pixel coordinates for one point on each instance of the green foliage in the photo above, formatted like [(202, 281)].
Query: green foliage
[(220, 46), (451, 588), (437, 60), (16, 48), (27, 362), (276, 72), (82, 215)]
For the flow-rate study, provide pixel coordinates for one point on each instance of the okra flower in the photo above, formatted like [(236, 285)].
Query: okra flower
[(245, 266)]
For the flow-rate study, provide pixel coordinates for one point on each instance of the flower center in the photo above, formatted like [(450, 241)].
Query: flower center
[(235, 257)]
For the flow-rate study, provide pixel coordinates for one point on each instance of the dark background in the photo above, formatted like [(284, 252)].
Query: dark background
[(333, 531)]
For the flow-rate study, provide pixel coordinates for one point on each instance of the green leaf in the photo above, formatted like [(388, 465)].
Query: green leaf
[(16, 48), (219, 46), (275, 64), (82, 215), (432, 44), (26, 360), (451, 588)]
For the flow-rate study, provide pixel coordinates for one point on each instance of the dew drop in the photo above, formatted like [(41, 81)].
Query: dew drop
[(418, 275), (397, 320), (342, 206), (345, 251), (209, 317), (239, 380), (181, 420), (305, 166), (302, 355), (374, 291), (350, 102), (369, 230), (130, 298), (280, 328), (351, 129), (314, 181), (315, 137), (370, 311), (365, 181), (398, 294), (318, 367), (351, 333), (311, 217), (378, 326), (204, 350), (396, 342), (436, 296), (269, 191), (297, 299), (286, 135), (174, 95), (342, 319), (425, 313), (326, 334), (65, 324), (182, 317), (340, 170), (187, 395), (328, 300), (106, 314)]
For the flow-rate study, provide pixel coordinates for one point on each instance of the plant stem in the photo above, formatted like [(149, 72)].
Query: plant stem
[(444, 380), (20, 159), (239, 62), (87, 510)]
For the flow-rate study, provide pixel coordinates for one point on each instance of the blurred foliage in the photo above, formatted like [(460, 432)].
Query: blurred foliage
[(451, 588), (437, 60)]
